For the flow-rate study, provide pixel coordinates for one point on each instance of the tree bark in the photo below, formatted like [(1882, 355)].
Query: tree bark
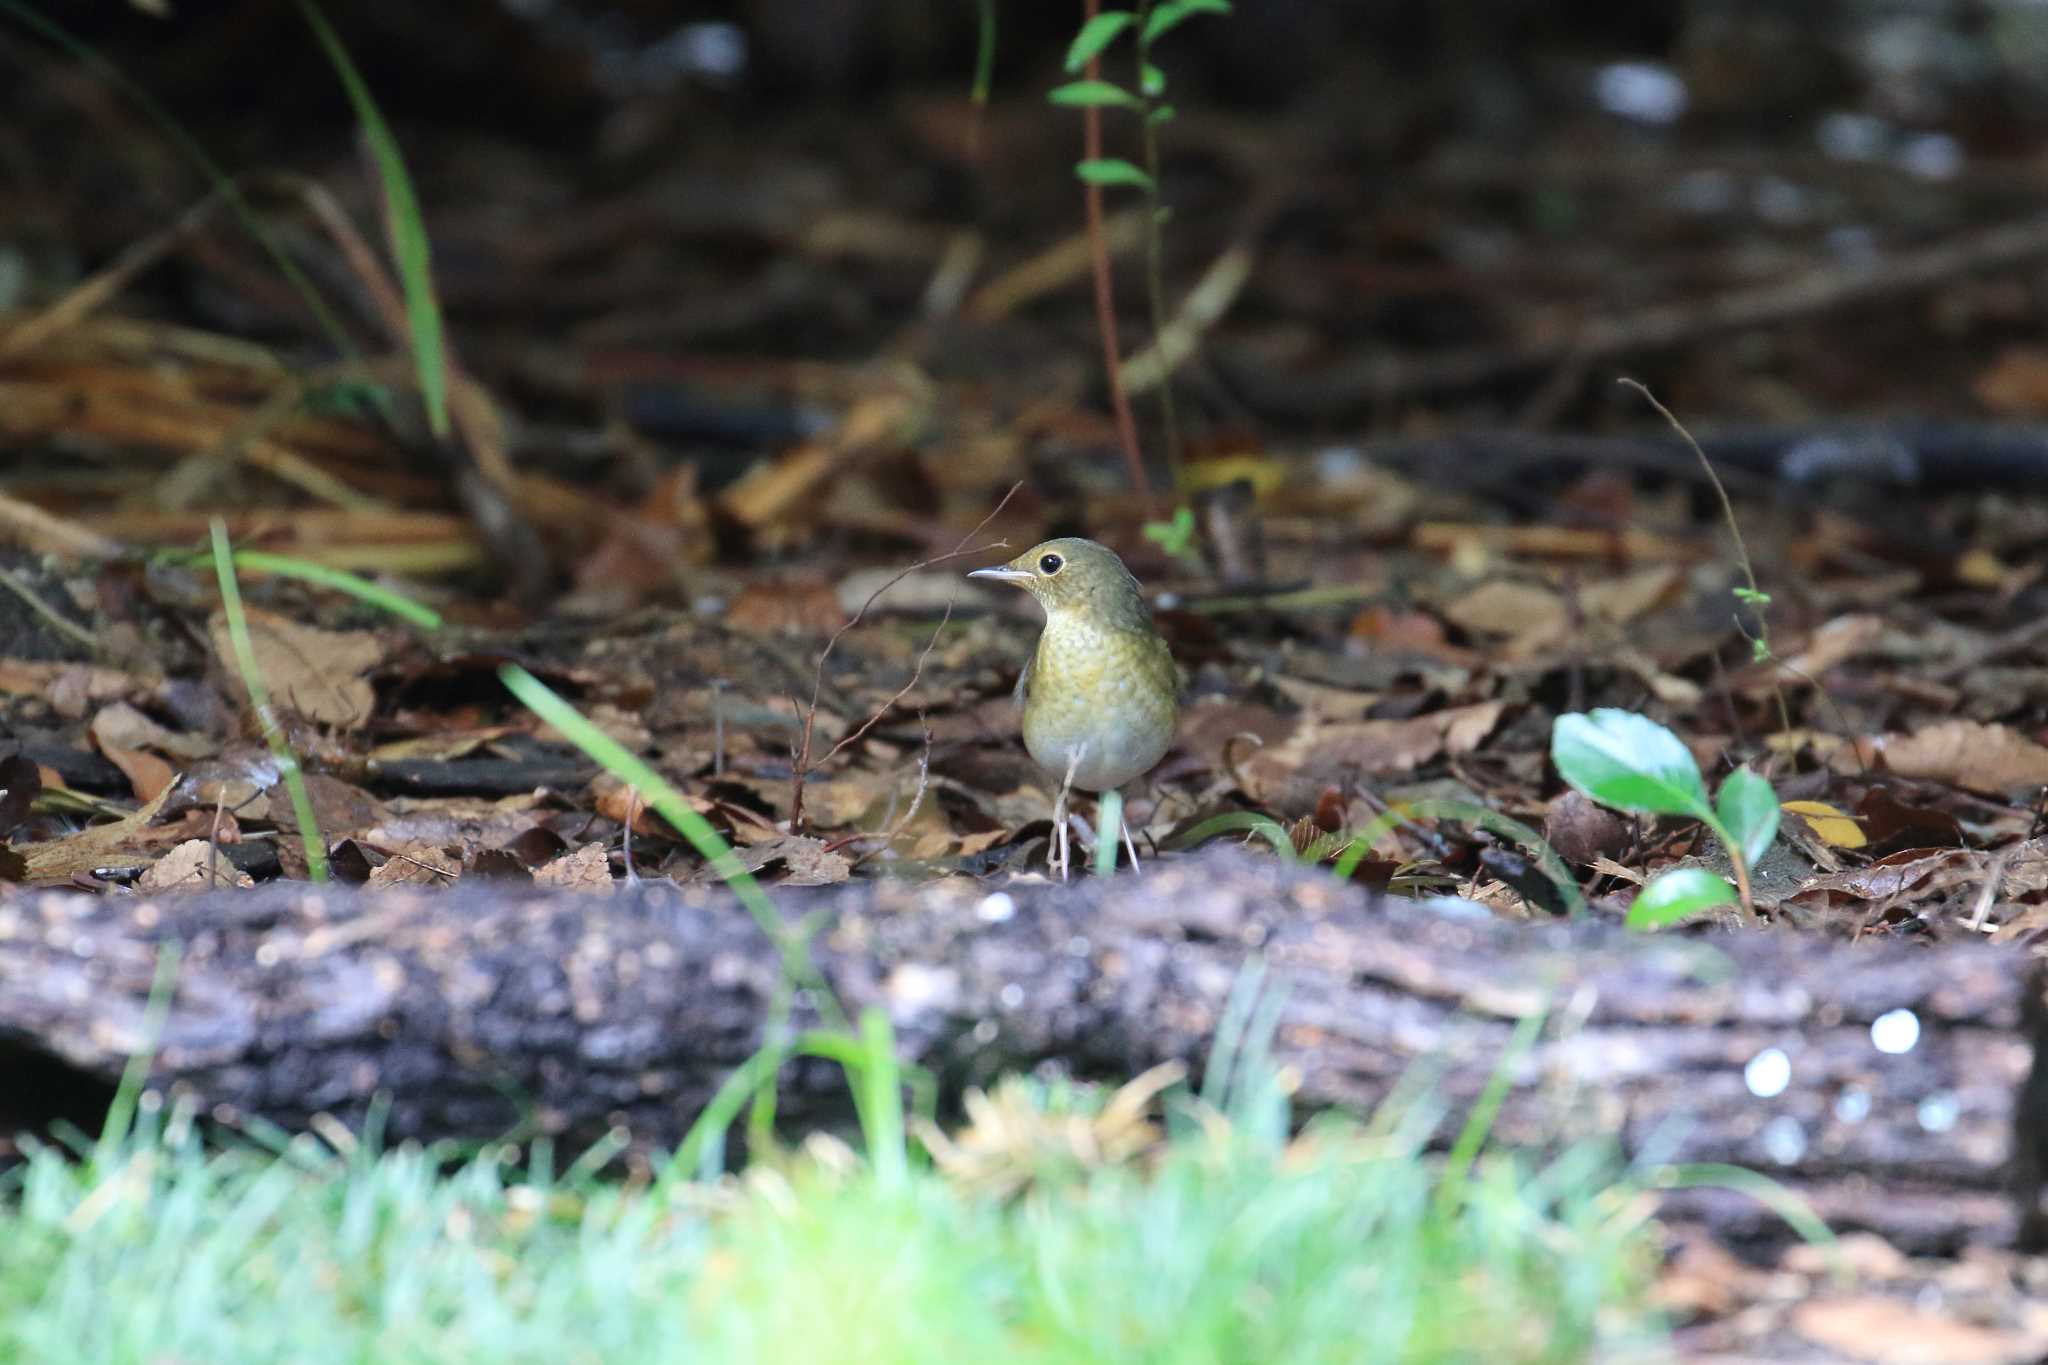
[(478, 1006)]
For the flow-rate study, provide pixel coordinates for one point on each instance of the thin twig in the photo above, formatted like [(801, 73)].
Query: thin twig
[(800, 759), (1756, 594), (897, 827), (55, 619)]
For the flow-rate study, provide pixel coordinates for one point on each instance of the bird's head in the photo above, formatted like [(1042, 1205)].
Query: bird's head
[(1072, 574)]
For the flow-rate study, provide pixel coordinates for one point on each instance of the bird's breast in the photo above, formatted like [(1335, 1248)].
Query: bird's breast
[(1103, 699)]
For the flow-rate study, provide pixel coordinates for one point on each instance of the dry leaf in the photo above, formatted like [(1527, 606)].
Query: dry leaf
[(148, 776), (417, 867), (587, 869), (1833, 643), (806, 861), (1617, 601), (122, 726), (1828, 823), (187, 868), (1368, 748), (1884, 1332), (1528, 613), (120, 844), (2016, 385), (1985, 758), (317, 673)]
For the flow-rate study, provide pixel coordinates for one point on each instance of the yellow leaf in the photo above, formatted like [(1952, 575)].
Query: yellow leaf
[(1833, 825)]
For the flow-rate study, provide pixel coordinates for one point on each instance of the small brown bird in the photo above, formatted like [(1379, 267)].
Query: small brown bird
[(1101, 694)]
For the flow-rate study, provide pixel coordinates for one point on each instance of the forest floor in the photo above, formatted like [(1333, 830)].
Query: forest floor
[(730, 430)]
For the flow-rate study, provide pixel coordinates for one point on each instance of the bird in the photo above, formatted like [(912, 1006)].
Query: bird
[(1101, 692)]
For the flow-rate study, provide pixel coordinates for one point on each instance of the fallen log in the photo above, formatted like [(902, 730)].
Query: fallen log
[(1883, 1081)]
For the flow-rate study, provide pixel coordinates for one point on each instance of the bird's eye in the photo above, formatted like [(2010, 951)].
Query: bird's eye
[(1050, 564)]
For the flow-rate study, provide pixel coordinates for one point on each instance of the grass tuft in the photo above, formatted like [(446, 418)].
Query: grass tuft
[(1342, 1245)]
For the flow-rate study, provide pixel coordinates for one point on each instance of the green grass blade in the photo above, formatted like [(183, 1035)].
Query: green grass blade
[(670, 805), (984, 51), (1479, 1123), (1778, 1198), (402, 221), (1109, 823), (1274, 832), (340, 580), (121, 1111), (259, 698)]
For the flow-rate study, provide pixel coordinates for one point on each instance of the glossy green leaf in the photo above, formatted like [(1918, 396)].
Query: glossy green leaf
[(1749, 810), (1112, 170), (1629, 762), (1165, 18), (1099, 93), (1097, 34), (1678, 895), (1151, 80)]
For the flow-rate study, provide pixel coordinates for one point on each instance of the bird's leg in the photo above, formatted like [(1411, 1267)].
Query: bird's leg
[(1056, 852), (1129, 846), (1057, 856)]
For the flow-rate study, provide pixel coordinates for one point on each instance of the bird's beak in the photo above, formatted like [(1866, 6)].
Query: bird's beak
[(1002, 573)]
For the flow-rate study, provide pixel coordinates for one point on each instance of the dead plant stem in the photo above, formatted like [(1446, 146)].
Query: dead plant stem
[(1756, 595), (1155, 269)]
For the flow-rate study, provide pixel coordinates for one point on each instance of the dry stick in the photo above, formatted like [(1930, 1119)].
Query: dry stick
[(898, 826), (1105, 301), (29, 526), (801, 759), (86, 298), (1664, 326)]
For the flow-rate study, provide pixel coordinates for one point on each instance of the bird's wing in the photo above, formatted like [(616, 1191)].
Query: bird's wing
[(1023, 690)]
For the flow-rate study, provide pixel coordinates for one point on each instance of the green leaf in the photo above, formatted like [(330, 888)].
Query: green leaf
[(1176, 537), (1629, 762), (1160, 114), (1112, 170), (1749, 809), (1151, 80), (1165, 18), (1097, 34), (1752, 596), (1084, 93), (1678, 895)]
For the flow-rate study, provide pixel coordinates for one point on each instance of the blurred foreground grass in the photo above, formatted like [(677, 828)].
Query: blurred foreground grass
[(1216, 1245)]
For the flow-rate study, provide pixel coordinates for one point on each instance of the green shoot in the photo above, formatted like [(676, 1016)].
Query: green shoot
[(1176, 537), (1635, 765), (1147, 24), (259, 700)]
